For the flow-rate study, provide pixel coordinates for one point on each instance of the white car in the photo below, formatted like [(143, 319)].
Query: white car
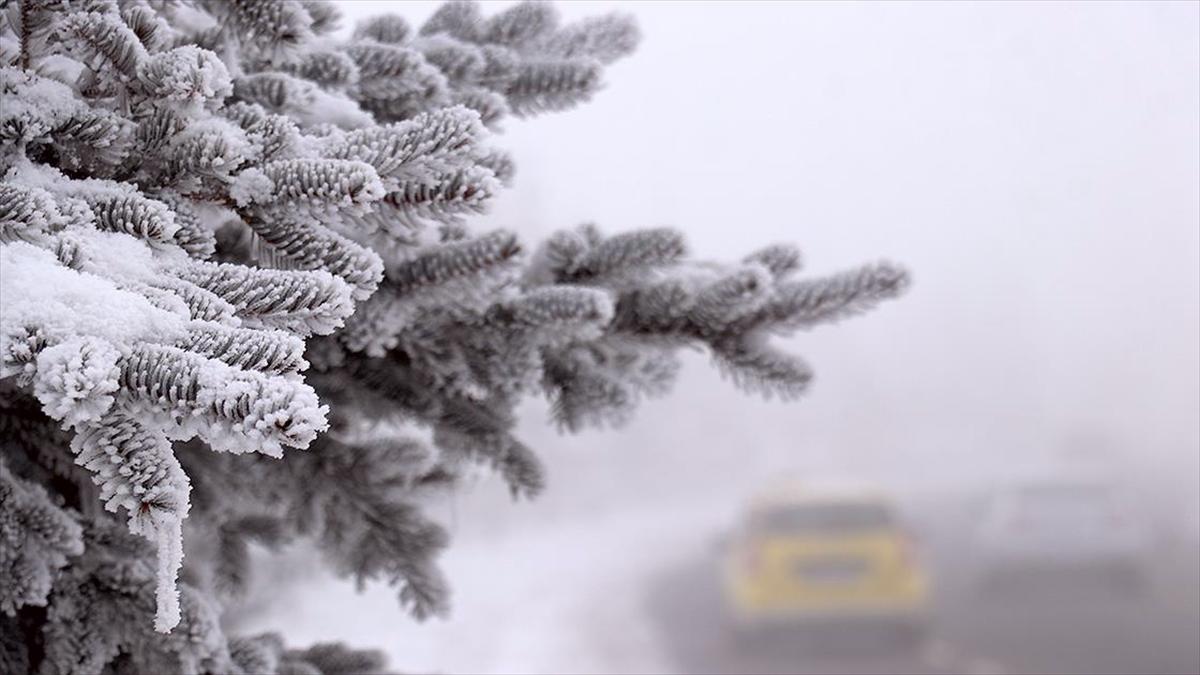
[(1061, 530)]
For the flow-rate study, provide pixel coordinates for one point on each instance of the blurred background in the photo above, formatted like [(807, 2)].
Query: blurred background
[(1001, 469)]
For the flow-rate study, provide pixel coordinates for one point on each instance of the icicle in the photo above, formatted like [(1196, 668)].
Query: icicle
[(169, 535)]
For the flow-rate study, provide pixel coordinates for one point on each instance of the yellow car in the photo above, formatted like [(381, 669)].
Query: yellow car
[(806, 557)]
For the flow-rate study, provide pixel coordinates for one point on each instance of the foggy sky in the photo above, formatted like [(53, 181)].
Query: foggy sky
[(1034, 164)]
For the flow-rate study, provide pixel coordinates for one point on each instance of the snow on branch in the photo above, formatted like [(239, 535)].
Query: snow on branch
[(305, 302), (224, 228), (137, 471), (48, 536)]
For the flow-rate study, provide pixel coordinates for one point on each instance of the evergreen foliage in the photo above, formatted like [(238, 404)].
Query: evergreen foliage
[(227, 236)]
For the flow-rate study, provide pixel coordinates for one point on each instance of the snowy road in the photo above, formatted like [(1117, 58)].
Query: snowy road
[(1065, 632), (635, 592)]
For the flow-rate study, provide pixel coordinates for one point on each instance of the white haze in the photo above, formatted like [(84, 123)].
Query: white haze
[(1034, 164)]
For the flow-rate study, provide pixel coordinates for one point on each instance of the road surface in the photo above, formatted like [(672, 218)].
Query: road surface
[(1085, 629)]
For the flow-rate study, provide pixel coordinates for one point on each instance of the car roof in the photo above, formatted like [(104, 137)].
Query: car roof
[(799, 492)]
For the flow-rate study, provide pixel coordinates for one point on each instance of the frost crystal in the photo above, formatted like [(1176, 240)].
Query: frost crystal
[(76, 379), (186, 74)]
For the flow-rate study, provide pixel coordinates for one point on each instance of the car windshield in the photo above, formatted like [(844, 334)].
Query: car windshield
[(826, 518)]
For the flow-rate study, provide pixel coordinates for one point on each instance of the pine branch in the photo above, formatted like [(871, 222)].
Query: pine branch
[(780, 259), (417, 151), (136, 469), (326, 17), (185, 74), (48, 537), (332, 658), (274, 136), (24, 33), (329, 69), (152, 30), (623, 253), (191, 235), (273, 352), (385, 28), (754, 366), (103, 38), (396, 83), (275, 32), (102, 607), (462, 63), (146, 219), (28, 214), (202, 304), (549, 86), (329, 181), (453, 261), (277, 92), (294, 243), (191, 191), (522, 24), (367, 529), (443, 198), (231, 408), (604, 38), (458, 18), (799, 304), (300, 301)]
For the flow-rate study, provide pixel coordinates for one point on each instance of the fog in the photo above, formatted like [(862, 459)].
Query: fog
[(1037, 168)]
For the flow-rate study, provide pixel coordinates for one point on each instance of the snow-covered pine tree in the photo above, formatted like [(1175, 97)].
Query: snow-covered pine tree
[(227, 233)]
